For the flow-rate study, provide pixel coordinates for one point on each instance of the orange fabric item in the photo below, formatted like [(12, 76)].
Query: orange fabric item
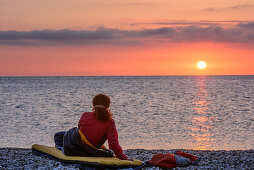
[(187, 155), (83, 138), (164, 161)]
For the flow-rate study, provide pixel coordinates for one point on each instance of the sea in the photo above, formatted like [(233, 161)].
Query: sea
[(151, 112)]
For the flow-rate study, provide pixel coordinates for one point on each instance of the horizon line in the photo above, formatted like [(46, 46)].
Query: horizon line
[(125, 75)]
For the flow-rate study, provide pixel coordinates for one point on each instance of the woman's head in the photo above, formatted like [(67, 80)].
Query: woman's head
[(101, 103)]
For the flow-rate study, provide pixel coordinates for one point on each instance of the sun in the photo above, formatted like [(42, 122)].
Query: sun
[(201, 65)]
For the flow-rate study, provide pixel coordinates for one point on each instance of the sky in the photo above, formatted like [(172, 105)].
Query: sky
[(127, 37)]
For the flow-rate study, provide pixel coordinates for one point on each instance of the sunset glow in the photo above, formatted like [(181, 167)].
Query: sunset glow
[(86, 38)]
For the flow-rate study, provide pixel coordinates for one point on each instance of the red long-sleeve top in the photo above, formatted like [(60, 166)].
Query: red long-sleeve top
[(97, 132)]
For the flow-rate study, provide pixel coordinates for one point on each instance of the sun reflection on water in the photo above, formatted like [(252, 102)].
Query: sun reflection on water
[(201, 121)]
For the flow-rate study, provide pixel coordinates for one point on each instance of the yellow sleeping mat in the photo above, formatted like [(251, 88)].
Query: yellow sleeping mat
[(94, 161)]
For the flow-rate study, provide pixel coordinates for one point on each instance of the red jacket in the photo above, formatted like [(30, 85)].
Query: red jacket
[(97, 132)]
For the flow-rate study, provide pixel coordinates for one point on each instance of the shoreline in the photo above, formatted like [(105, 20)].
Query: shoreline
[(16, 158)]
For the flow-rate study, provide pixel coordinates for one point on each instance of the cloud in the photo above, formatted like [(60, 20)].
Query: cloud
[(175, 23), (235, 7), (60, 37), (240, 33), (249, 25), (243, 6), (99, 34), (190, 23)]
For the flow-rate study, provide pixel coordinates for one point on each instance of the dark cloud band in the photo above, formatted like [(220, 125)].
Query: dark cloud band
[(240, 33)]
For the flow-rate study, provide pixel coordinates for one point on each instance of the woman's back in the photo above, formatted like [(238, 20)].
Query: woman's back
[(93, 129), (97, 132)]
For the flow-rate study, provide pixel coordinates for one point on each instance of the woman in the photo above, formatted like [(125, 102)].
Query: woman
[(94, 128)]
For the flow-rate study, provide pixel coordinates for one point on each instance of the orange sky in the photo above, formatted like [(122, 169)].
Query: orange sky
[(166, 60), (126, 37)]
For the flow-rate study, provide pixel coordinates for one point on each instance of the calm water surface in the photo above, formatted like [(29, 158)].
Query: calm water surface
[(189, 112)]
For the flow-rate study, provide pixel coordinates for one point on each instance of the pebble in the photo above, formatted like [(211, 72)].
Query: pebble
[(20, 158)]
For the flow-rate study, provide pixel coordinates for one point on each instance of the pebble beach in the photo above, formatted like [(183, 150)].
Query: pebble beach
[(22, 158)]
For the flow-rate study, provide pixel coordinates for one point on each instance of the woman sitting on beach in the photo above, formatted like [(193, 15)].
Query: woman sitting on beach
[(94, 128)]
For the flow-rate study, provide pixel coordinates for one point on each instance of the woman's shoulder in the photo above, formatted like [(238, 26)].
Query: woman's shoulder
[(111, 121), (87, 114)]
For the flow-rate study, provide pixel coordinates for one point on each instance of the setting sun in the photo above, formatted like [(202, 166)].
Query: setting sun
[(201, 65)]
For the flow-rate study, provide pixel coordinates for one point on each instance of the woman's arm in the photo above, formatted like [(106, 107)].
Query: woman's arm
[(113, 141)]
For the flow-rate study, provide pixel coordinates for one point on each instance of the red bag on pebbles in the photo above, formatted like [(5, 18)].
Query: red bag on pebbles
[(169, 160), (165, 161)]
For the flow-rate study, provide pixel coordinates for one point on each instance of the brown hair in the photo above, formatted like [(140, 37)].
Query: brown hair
[(101, 104)]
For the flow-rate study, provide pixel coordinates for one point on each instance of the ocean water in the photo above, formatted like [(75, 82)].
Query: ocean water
[(151, 112)]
